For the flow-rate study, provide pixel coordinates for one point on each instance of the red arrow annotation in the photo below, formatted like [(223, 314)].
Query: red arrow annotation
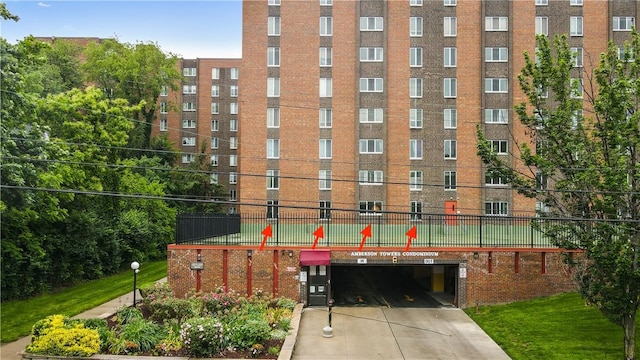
[(319, 234), (412, 234), (366, 232), (266, 233)]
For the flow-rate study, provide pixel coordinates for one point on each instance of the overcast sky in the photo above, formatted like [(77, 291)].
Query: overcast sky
[(190, 29)]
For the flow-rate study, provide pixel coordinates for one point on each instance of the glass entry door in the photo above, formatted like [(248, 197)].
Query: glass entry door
[(318, 285)]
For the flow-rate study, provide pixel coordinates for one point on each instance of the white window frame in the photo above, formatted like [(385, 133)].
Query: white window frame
[(273, 2), (233, 125), (578, 93), (416, 180), (213, 159), (371, 84), (233, 90), (324, 180), (450, 26), (496, 23), (542, 2), (189, 72), (215, 91), (496, 116), (326, 87), (450, 149), (273, 179), (542, 25), (215, 73), (188, 89), (188, 106), (415, 2), (325, 150), (450, 118), (416, 151), (415, 88), (494, 180), (371, 23), (415, 208), (416, 27), (215, 142), (164, 125), (450, 57), (233, 160), (273, 117), (416, 118), (371, 54), (450, 180), (189, 141), (369, 208), (215, 125), (496, 54), (234, 73), (496, 85), (371, 146), (273, 57), (233, 177), (371, 116), (326, 26), (500, 147), (415, 57), (450, 88), (576, 26), (233, 142), (273, 148), (188, 123), (164, 90), (215, 108), (496, 208), (188, 158), (325, 55), (627, 22), (370, 177), (326, 2), (163, 107), (325, 118), (578, 56), (273, 87), (273, 26), (233, 108), (450, 2), (575, 2)]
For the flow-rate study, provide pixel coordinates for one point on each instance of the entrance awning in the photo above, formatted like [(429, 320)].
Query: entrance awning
[(315, 257)]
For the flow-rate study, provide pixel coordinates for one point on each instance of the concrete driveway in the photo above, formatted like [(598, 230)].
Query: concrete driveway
[(393, 333)]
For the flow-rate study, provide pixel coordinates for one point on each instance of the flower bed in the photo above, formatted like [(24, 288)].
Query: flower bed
[(220, 324)]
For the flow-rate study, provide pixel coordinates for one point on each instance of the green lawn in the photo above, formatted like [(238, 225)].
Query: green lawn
[(557, 327), (19, 316)]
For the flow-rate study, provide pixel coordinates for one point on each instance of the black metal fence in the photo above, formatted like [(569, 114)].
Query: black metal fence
[(202, 226)]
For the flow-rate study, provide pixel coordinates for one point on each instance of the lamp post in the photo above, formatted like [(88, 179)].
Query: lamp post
[(134, 266)]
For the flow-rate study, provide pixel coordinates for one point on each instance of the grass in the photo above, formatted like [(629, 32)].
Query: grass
[(557, 327), (18, 316)]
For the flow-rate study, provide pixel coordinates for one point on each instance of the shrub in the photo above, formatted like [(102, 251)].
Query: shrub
[(102, 327), (155, 292), (141, 335), (217, 303), (279, 318), (278, 334), (285, 303), (128, 314), (248, 331), (203, 337), (58, 335), (164, 309), (274, 350)]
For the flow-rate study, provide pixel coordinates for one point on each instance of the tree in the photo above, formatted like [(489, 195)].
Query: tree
[(581, 160)]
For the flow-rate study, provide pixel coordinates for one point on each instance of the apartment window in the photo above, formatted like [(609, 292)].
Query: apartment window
[(450, 26), (164, 125), (370, 207), (370, 177), (578, 55), (273, 148), (188, 106), (273, 56), (500, 147), (575, 2), (214, 125), (233, 160), (233, 142), (500, 208), (415, 26), (326, 118), (324, 177), (324, 149), (370, 146), (577, 89), (496, 54), (370, 84), (163, 107), (496, 85), (188, 158), (415, 118), (215, 108), (326, 87), (324, 209), (415, 180), (273, 117), (494, 179), (416, 210), (273, 2), (371, 23), (213, 178), (625, 55), (415, 2), (450, 180), (450, 2), (450, 87), (371, 54), (215, 142), (233, 108), (326, 2), (233, 90), (496, 116), (415, 57), (233, 125), (450, 149), (188, 89), (325, 57), (273, 87), (273, 179), (233, 177), (215, 73), (326, 26), (371, 115), (450, 57), (273, 26), (214, 160), (215, 91), (450, 118), (542, 2), (496, 23), (415, 87), (576, 26), (164, 90), (623, 23), (188, 124), (415, 149), (272, 206), (189, 71), (189, 141), (234, 73), (542, 25)]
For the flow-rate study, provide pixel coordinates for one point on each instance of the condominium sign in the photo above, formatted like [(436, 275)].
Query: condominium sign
[(393, 253)]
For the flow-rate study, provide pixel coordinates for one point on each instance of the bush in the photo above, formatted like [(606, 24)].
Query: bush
[(58, 335), (248, 331), (164, 309), (155, 292), (217, 303), (203, 337), (128, 314), (141, 335)]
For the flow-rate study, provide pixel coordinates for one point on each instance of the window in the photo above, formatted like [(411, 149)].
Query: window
[(215, 73), (215, 108), (188, 158), (233, 90), (371, 115), (188, 89), (450, 26), (371, 53), (234, 73), (214, 160), (450, 118), (450, 87), (450, 180), (416, 209), (496, 208), (371, 84), (496, 116), (214, 125), (415, 149), (213, 178), (415, 118), (450, 2), (415, 180), (415, 26), (189, 71), (499, 147), (576, 25), (326, 87), (450, 57), (496, 54), (164, 125), (163, 107), (450, 149), (215, 142), (273, 179), (273, 56), (188, 124), (272, 205), (325, 57), (189, 141), (273, 117), (273, 87), (273, 26), (625, 55), (415, 87), (233, 160), (325, 209), (188, 106), (324, 177), (274, 2), (215, 90), (233, 177), (370, 207), (496, 85), (233, 125), (273, 148), (326, 26), (542, 2), (623, 23), (326, 2), (326, 118), (371, 23), (324, 149), (415, 57), (370, 177), (542, 25), (577, 89), (415, 2), (494, 179), (370, 146), (578, 55), (233, 108), (496, 23), (233, 142), (575, 2)]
